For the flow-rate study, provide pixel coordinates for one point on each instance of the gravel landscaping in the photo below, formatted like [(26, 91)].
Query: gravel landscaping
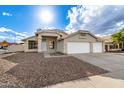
[(57, 54), (33, 70), (5, 65), (9, 81)]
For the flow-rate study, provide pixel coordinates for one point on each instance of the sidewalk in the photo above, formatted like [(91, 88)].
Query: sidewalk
[(109, 80)]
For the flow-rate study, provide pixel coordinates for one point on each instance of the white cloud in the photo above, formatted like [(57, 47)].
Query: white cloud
[(6, 14), (9, 34), (2, 37), (3, 29), (9, 38), (97, 19)]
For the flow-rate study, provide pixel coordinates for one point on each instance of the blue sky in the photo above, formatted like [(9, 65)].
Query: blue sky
[(25, 20), (17, 22)]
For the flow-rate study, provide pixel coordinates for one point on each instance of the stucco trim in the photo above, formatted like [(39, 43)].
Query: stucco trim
[(83, 31)]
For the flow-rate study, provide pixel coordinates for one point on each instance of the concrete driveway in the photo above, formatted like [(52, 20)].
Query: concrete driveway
[(113, 62), (108, 61)]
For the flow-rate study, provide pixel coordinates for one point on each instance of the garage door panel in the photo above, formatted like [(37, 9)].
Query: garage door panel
[(97, 47), (78, 47)]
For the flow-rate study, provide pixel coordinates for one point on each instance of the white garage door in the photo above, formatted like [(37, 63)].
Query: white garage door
[(78, 47), (97, 47)]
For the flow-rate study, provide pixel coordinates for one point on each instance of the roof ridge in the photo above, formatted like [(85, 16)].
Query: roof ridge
[(50, 30)]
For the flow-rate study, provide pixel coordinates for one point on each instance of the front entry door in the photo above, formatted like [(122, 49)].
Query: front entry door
[(51, 44), (44, 46)]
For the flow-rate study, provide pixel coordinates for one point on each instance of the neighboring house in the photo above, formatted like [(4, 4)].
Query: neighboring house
[(4, 44), (58, 41), (112, 46)]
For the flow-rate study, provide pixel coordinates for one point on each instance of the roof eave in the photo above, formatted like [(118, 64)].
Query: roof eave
[(27, 38)]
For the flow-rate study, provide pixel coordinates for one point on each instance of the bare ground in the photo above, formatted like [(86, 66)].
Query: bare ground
[(33, 70)]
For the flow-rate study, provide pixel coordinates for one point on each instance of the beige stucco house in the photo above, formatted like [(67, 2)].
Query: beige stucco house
[(56, 40), (111, 46)]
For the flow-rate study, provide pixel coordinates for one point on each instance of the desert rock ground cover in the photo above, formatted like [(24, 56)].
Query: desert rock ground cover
[(33, 70)]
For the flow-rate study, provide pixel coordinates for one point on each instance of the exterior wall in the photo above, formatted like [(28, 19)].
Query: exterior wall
[(26, 45), (51, 39), (16, 48), (39, 43), (91, 47), (54, 34), (60, 46), (50, 36), (64, 35), (39, 35), (103, 45), (87, 38), (77, 38)]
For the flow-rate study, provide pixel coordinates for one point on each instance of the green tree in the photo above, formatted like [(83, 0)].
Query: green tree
[(119, 36)]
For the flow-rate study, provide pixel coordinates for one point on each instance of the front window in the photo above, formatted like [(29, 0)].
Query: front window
[(32, 44)]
